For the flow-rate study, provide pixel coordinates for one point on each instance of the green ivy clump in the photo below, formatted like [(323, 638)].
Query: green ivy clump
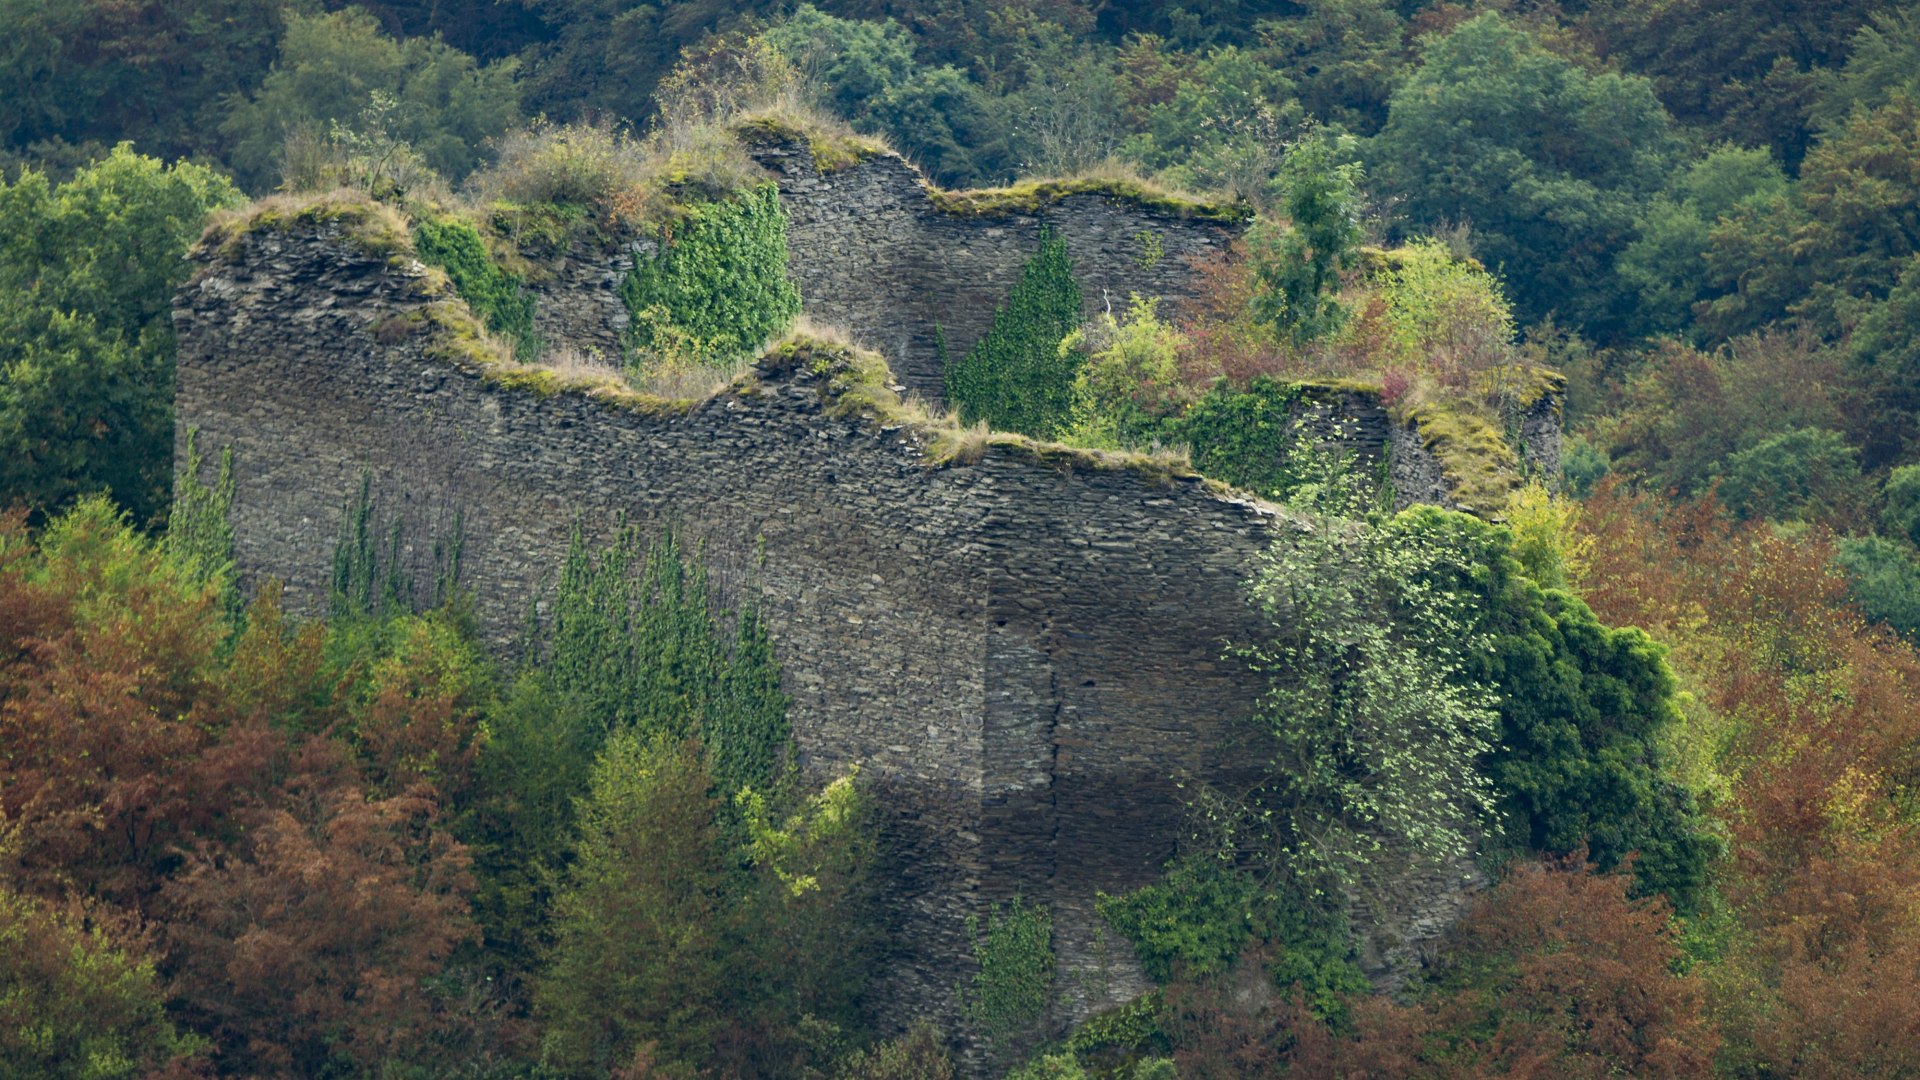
[(718, 283), (1014, 985), (1582, 706), (499, 298), (1017, 377)]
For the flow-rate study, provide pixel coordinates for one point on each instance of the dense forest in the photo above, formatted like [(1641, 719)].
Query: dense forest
[(1668, 699)]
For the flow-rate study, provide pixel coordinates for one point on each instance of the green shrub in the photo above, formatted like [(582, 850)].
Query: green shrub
[(1243, 436), (1196, 919), (1884, 580), (718, 283), (1014, 984), (1805, 473), (499, 298), (1129, 383), (1901, 516), (1582, 708), (1016, 377)]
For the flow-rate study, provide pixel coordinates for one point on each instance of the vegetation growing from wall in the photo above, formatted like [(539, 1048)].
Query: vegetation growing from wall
[(1017, 377), (1735, 176), (1013, 988), (498, 297), (717, 288)]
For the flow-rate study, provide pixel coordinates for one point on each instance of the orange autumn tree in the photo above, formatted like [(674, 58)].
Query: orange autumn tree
[(276, 821), (1811, 718)]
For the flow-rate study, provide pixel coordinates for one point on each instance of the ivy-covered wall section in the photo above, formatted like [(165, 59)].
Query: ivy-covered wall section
[(1017, 377), (717, 287), (496, 295)]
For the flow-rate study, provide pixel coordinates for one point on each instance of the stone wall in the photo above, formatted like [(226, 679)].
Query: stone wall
[(1022, 654), (875, 254)]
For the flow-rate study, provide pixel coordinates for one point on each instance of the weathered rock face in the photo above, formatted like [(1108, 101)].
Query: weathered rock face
[(1022, 654), (874, 254)]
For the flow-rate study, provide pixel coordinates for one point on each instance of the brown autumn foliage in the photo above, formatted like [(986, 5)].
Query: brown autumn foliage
[(300, 897), (1822, 759), (1556, 973), (312, 940), (105, 684)]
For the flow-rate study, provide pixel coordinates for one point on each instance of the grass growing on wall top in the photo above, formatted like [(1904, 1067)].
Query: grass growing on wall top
[(373, 227), (1120, 184)]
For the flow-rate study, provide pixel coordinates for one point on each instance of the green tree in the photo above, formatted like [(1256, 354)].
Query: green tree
[(1745, 71), (330, 67), (1883, 60), (1885, 351), (1549, 163), (1667, 263), (1804, 474), (1299, 271), (79, 76), (867, 73), (1372, 728), (641, 925), (1837, 244), (1016, 377), (1216, 122), (87, 275), (1129, 387), (1884, 579), (1345, 56), (1901, 517), (76, 1005)]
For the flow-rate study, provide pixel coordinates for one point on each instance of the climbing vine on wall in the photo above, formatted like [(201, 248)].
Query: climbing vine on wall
[(1014, 983), (1017, 378), (498, 297), (648, 651), (718, 283)]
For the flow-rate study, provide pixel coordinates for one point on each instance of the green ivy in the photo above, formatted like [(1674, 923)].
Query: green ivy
[(499, 298), (1014, 983), (718, 283), (1581, 709), (1016, 377), (1242, 437), (648, 652), (199, 528)]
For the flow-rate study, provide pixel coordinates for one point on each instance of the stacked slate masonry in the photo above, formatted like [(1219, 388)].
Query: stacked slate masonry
[(1022, 655), (878, 253)]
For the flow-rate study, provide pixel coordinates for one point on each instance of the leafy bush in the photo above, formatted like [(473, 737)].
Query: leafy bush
[(1801, 474), (1129, 385), (718, 282), (496, 296), (1884, 580), (1444, 315), (1016, 377)]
